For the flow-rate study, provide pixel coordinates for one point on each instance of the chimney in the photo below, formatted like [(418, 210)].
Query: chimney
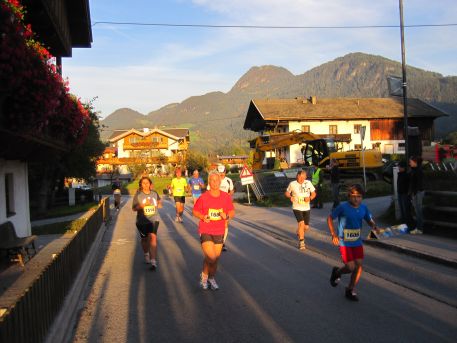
[(145, 129), (314, 100)]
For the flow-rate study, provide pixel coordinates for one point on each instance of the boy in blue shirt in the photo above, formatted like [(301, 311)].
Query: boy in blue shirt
[(348, 237)]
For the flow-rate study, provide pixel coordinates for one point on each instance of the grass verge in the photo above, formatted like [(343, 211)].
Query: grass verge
[(59, 228), (62, 211)]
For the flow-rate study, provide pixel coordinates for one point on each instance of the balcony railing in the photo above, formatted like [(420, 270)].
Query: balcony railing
[(139, 160)]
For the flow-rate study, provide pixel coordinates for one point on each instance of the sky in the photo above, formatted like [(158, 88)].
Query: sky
[(146, 67)]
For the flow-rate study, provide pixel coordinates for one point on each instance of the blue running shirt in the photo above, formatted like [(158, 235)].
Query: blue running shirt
[(350, 223)]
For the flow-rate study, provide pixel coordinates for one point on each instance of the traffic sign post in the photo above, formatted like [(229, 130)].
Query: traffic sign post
[(246, 178)]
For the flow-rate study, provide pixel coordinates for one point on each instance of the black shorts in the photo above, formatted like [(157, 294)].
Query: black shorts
[(217, 239), (180, 199), (145, 229), (302, 216)]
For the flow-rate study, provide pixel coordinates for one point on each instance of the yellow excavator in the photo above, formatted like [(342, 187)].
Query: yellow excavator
[(314, 148)]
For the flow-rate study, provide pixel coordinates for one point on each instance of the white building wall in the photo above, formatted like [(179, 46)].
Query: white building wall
[(120, 149), (344, 127), (21, 218)]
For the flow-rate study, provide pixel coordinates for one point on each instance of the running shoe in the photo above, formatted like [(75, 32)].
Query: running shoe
[(224, 248), (416, 232), (146, 258), (203, 282), (177, 219), (180, 219), (153, 264), (335, 278), (351, 295), (301, 245), (213, 284)]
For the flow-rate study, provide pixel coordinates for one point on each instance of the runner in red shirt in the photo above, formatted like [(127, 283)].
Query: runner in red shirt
[(213, 208)]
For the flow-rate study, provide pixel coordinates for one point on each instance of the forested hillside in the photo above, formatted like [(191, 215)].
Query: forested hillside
[(216, 119)]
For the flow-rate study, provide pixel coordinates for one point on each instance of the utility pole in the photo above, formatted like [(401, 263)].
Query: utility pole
[(403, 67)]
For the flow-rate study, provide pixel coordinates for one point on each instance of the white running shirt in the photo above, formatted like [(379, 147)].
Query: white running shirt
[(300, 192)]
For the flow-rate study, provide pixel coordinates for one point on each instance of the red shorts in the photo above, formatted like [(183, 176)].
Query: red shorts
[(349, 254)]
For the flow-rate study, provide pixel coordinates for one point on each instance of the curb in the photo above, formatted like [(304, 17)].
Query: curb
[(411, 252), (61, 326)]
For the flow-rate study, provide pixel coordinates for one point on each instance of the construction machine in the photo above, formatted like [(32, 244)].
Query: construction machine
[(315, 148)]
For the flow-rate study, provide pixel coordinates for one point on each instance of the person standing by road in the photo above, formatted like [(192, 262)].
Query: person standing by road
[(335, 181), (146, 202), (179, 188), (404, 200), (213, 208), (317, 180), (196, 184), (416, 191), (301, 192), (350, 215)]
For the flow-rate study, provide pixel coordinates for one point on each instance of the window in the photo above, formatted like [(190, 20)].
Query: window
[(401, 146), (333, 129), (388, 149), (357, 146), (156, 139), (357, 128), (305, 128), (9, 194)]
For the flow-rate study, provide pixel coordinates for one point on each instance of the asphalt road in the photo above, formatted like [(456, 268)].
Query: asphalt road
[(269, 290)]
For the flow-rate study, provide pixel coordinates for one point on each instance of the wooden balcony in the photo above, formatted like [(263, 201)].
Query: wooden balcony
[(145, 145), (139, 160)]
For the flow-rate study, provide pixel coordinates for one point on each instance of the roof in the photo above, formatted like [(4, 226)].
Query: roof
[(262, 111), (60, 25), (175, 133)]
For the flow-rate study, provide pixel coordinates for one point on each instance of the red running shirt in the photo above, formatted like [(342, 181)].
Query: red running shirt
[(213, 206)]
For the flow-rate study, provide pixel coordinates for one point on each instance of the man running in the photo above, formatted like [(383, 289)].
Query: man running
[(213, 209), (178, 189), (301, 192), (116, 187), (146, 202), (350, 215), (196, 184)]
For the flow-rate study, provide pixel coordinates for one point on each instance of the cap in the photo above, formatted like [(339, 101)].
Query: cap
[(221, 169)]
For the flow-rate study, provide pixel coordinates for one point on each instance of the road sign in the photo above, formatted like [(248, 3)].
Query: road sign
[(246, 176), (247, 180), (245, 172)]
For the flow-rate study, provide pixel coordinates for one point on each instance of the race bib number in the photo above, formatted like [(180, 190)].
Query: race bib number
[(149, 210), (179, 190), (196, 187), (351, 235), (214, 214), (301, 200)]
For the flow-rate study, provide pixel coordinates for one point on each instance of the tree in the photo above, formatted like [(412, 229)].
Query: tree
[(47, 176), (196, 160), (81, 161), (451, 138)]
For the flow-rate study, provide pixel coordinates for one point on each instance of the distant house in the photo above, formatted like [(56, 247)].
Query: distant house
[(151, 147), (342, 119), (232, 160)]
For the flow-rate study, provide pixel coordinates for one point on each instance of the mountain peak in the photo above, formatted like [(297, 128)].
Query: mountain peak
[(266, 76)]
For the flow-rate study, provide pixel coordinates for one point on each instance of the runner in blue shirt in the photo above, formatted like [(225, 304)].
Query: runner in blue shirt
[(196, 185), (350, 215)]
